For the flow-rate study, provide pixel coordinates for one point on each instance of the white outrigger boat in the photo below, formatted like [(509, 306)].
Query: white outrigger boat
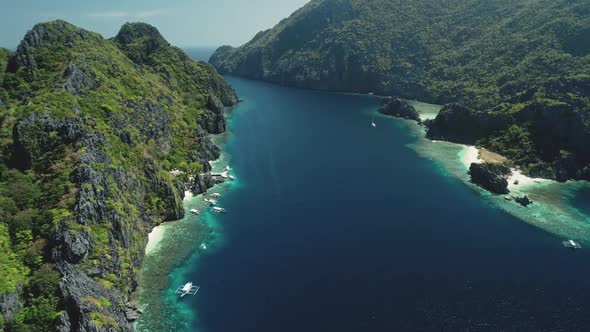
[(215, 195), (187, 289), (210, 201), (218, 209), (571, 244), (195, 211), (203, 246)]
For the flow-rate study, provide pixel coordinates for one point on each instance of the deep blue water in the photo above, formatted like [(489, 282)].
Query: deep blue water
[(338, 226)]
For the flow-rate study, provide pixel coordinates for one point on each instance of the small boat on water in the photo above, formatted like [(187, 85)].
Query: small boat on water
[(218, 210), (571, 244), (373, 124), (215, 195), (210, 201), (195, 211), (231, 177), (203, 246), (227, 168), (187, 289)]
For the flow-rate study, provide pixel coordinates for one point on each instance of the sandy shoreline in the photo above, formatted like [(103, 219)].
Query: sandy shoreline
[(154, 238), (471, 154), (523, 180)]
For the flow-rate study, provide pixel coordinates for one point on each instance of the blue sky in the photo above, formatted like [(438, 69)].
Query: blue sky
[(184, 23)]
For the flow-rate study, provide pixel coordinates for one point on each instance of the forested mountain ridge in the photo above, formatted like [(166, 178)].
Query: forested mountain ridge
[(528, 61), (90, 129)]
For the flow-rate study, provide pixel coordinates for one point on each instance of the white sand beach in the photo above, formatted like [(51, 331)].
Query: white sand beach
[(522, 180), (154, 238), (470, 155)]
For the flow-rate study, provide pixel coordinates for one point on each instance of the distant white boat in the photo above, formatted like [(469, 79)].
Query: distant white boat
[(187, 289), (571, 244), (195, 211), (227, 168), (210, 201), (218, 210), (203, 246), (373, 124), (216, 195), (231, 177)]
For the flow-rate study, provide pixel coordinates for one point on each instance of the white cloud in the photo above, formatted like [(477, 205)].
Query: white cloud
[(121, 14)]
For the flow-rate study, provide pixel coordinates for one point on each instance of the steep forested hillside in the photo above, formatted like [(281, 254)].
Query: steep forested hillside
[(528, 61), (90, 129)]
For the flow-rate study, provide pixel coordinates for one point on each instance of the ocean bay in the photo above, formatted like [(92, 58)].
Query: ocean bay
[(341, 226)]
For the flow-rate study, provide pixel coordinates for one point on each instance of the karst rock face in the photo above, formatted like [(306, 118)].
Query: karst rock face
[(107, 120)]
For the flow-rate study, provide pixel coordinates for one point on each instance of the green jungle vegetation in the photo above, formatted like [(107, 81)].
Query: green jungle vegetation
[(135, 86), (529, 59)]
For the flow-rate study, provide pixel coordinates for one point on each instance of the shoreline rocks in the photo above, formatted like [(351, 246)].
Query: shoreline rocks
[(524, 201), (400, 108), (491, 177)]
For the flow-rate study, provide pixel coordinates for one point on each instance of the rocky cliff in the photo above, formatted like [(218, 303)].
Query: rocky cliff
[(491, 177), (96, 125), (399, 108)]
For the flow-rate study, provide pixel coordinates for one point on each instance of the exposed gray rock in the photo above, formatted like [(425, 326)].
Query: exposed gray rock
[(81, 295), (207, 150), (10, 304), (490, 176), (214, 121), (132, 312), (399, 108), (150, 119), (27, 146), (524, 201), (76, 244), (78, 80), (202, 183)]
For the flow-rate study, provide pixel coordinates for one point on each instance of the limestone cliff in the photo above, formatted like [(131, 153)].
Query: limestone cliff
[(96, 125)]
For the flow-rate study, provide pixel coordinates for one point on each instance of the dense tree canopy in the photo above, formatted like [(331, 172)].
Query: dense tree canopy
[(502, 56)]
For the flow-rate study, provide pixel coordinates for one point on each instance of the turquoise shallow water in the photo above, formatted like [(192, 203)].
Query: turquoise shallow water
[(559, 208), (333, 225)]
